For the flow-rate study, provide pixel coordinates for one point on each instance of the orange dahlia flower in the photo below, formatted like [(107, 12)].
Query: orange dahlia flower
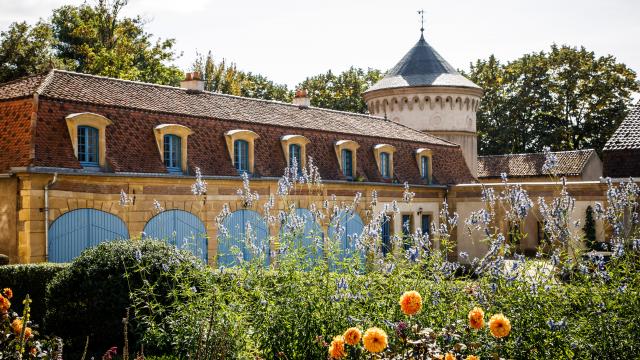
[(499, 325), (352, 336), (8, 293), (449, 356), (16, 326), (410, 302), (336, 349), (476, 318), (375, 340), (472, 357), (5, 304), (27, 333)]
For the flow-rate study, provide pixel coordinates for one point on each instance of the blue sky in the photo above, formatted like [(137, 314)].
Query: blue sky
[(289, 40)]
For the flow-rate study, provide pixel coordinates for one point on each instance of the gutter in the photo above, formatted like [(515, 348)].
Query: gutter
[(46, 215)]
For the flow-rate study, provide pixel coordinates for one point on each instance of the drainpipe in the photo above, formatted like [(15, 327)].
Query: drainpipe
[(46, 216)]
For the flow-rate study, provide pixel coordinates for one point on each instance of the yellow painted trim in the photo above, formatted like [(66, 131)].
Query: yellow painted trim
[(295, 139), (429, 154), (173, 129), (379, 149), (350, 145), (247, 135), (96, 121)]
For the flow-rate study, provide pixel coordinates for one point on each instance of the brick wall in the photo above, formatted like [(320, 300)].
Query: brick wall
[(621, 163), (15, 133), (131, 146)]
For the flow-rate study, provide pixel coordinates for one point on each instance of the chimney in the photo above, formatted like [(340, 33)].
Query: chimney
[(301, 98), (192, 81)]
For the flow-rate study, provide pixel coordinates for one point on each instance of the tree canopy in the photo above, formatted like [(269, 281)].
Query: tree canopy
[(566, 98), (93, 39)]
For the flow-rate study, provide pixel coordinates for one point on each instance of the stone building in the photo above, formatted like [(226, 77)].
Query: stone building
[(71, 144)]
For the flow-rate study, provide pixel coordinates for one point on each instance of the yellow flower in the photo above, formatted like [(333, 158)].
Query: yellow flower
[(16, 326), (375, 340), (410, 302), (8, 293), (499, 325), (476, 318), (449, 356), (472, 357), (336, 350), (352, 336)]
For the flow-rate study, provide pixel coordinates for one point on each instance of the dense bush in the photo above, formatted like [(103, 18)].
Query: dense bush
[(91, 296), (32, 280)]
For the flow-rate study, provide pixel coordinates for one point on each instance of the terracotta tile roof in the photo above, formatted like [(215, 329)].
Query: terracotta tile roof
[(71, 86), (21, 87), (570, 163), (627, 136)]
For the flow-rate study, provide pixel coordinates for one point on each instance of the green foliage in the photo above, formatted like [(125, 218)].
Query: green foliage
[(590, 229), (566, 98), (92, 39), (90, 297), (32, 280), (341, 92), (225, 78), (26, 50)]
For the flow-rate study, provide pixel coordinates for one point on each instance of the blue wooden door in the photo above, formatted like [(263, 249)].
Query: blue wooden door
[(236, 238), (309, 237), (181, 229), (80, 229), (352, 227)]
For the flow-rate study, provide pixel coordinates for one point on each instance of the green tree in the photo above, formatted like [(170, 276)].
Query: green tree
[(566, 98), (341, 92), (225, 78), (590, 229), (26, 50), (97, 40)]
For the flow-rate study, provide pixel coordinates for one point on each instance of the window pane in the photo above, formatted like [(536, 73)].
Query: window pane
[(347, 163), (294, 152), (241, 155), (88, 145), (384, 164), (172, 152), (426, 224), (425, 168)]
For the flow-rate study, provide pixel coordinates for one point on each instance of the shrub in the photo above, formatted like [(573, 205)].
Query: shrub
[(91, 296), (32, 280)]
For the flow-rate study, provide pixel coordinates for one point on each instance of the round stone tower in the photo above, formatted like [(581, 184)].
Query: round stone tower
[(423, 91)]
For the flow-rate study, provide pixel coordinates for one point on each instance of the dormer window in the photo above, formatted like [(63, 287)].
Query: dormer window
[(346, 152), (241, 147), (241, 155), (88, 138), (384, 165), (172, 145), (347, 163), (88, 146), (172, 153), (295, 146), (424, 157), (383, 154)]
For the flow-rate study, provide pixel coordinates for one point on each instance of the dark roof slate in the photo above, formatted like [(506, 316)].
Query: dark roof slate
[(570, 163), (627, 136), (422, 66), (71, 86)]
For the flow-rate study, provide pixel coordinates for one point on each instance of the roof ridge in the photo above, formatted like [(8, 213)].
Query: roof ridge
[(537, 153), (45, 82)]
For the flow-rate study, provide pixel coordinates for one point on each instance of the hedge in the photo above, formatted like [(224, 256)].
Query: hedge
[(29, 279)]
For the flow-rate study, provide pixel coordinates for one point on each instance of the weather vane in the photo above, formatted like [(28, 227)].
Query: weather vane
[(421, 13)]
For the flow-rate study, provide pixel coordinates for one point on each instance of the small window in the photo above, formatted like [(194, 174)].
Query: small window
[(347, 163), (88, 143), (424, 168), (426, 224), (384, 165), (173, 153), (241, 155), (386, 235), (295, 152)]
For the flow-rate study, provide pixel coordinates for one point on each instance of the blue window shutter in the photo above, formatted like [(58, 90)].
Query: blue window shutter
[(347, 163), (173, 153), (88, 145), (241, 155)]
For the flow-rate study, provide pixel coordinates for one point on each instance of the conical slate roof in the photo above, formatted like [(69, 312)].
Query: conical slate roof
[(422, 66)]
